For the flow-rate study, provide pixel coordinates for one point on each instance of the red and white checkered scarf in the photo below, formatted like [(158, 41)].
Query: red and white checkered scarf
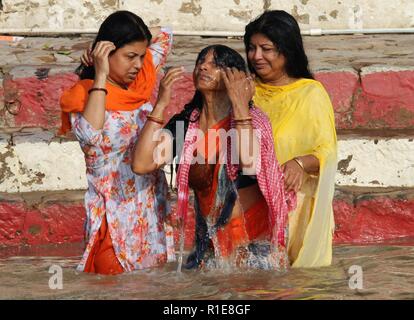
[(270, 176)]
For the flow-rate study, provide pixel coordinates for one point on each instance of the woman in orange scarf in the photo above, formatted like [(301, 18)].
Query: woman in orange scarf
[(126, 213)]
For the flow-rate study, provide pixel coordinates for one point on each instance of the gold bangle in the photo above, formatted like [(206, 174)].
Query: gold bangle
[(242, 123), (242, 119), (300, 163), (155, 119)]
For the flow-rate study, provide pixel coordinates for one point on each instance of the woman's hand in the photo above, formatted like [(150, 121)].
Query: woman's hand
[(165, 91), (86, 58), (293, 175), (100, 57), (240, 89)]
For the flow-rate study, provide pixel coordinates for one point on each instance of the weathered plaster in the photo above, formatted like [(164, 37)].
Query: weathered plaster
[(38, 162), (207, 14)]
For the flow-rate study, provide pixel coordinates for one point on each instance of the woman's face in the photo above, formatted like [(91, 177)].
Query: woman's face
[(207, 75), (126, 62), (266, 60)]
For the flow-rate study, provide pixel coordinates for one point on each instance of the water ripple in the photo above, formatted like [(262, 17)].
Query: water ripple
[(388, 273)]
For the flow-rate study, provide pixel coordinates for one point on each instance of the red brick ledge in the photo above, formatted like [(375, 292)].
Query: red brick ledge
[(362, 216), (373, 215), (375, 98)]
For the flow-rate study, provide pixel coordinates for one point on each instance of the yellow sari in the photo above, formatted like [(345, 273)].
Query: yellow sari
[(303, 123)]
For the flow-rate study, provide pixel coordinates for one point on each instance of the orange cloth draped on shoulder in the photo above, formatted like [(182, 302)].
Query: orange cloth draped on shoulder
[(138, 93), (253, 223), (102, 258)]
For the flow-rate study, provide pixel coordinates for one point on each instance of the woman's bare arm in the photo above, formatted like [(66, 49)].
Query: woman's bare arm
[(147, 155), (94, 111), (240, 88)]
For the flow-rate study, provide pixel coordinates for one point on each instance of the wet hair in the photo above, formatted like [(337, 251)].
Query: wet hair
[(121, 28), (283, 30), (223, 57)]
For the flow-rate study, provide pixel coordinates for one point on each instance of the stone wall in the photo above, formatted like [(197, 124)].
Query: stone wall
[(202, 15)]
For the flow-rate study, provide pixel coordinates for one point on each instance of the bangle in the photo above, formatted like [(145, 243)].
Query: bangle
[(242, 119), (155, 119), (242, 123), (300, 163), (98, 89)]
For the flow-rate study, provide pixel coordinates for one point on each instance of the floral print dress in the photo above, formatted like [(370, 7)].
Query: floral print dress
[(135, 205)]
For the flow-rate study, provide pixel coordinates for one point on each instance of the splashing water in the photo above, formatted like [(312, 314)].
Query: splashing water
[(181, 253), (387, 273)]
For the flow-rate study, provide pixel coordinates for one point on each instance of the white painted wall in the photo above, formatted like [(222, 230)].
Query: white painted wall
[(376, 162), (206, 15), (39, 163)]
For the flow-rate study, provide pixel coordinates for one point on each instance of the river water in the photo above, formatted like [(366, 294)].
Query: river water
[(387, 273)]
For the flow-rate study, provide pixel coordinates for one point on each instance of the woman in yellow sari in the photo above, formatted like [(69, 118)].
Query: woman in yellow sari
[(303, 125)]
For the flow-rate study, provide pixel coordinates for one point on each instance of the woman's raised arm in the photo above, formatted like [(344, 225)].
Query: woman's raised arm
[(153, 149)]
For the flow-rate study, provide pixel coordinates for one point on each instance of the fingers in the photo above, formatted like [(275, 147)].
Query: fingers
[(225, 78), (102, 49), (237, 75), (230, 75), (250, 78), (288, 181), (292, 182), (240, 75), (164, 94), (89, 55), (172, 75), (86, 58), (108, 49), (234, 75), (293, 176), (172, 70), (173, 78), (299, 184), (295, 184), (251, 87)]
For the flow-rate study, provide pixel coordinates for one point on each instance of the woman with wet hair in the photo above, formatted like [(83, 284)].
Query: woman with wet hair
[(228, 160), (303, 125), (126, 223)]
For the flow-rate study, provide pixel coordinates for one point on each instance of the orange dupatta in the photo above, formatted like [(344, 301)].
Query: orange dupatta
[(138, 93), (239, 230), (210, 151)]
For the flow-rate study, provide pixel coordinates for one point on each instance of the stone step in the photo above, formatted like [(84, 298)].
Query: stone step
[(370, 85), (376, 99), (38, 161), (362, 215)]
